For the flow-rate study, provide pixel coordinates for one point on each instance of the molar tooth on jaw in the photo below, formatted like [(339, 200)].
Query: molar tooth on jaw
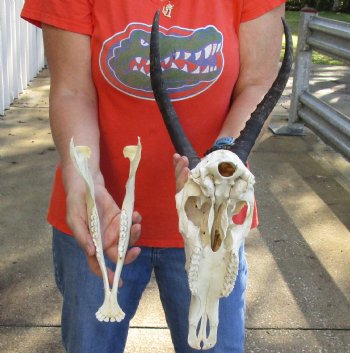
[(110, 309), (231, 275), (122, 233), (193, 271)]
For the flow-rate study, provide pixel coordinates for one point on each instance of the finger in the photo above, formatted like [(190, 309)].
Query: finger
[(110, 275), (95, 269), (76, 218), (182, 179), (135, 233), (181, 164), (132, 255), (176, 158), (93, 265), (83, 237), (107, 207), (112, 251), (136, 217), (111, 233)]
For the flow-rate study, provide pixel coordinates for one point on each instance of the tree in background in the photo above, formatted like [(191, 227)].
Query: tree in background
[(320, 5), (336, 5)]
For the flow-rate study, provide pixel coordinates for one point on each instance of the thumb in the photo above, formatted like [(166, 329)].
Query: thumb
[(83, 237)]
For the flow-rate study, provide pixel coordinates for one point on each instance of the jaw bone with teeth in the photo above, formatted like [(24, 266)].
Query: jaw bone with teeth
[(218, 187), (110, 309)]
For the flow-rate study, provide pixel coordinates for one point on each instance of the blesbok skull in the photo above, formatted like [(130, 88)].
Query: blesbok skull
[(218, 187)]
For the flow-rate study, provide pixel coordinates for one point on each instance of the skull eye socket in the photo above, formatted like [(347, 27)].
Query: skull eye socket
[(226, 169)]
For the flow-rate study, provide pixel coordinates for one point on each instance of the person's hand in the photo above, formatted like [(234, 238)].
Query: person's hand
[(181, 170), (109, 214)]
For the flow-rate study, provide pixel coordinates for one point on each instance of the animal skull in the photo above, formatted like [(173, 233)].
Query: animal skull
[(217, 189)]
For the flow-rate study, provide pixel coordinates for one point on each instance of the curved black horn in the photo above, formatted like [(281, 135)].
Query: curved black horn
[(178, 137), (245, 142)]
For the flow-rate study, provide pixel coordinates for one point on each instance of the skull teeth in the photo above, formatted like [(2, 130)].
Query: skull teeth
[(193, 270), (123, 233), (94, 226), (231, 275)]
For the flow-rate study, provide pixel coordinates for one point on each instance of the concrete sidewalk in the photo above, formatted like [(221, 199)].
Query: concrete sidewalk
[(299, 286)]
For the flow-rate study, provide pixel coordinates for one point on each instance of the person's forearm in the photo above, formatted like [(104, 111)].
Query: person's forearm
[(73, 99), (260, 48), (74, 115), (243, 105)]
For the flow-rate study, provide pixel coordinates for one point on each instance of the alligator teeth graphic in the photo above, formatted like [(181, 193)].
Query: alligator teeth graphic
[(208, 49)]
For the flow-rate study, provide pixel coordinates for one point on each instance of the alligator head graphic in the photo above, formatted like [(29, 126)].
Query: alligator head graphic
[(191, 60)]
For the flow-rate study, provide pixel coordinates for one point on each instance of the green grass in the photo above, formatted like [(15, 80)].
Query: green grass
[(293, 17)]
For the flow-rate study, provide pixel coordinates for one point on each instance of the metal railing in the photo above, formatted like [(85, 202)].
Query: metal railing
[(21, 52), (328, 37)]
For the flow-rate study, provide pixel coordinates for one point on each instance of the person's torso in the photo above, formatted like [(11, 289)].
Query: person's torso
[(200, 60)]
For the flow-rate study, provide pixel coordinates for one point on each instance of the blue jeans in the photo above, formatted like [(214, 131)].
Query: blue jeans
[(83, 294)]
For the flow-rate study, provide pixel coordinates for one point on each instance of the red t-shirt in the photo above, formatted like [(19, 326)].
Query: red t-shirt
[(199, 44)]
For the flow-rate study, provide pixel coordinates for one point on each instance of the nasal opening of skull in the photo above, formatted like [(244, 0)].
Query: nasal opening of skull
[(214, 222)]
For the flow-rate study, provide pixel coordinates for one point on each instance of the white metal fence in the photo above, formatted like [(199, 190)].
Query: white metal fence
[(333, 39), (21, 52)]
